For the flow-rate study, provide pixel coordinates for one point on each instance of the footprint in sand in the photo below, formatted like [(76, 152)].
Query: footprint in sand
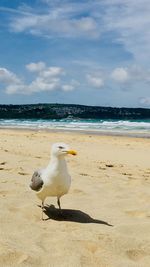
[(136, 254), (3, 163), (146, 177), (83, 174), (125, 173), (3, 193), (109, 165)]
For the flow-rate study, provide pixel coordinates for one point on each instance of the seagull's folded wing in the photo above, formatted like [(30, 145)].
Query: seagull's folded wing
[(36, 181)]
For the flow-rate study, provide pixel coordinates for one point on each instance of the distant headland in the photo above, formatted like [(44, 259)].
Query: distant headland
[(61, 111)]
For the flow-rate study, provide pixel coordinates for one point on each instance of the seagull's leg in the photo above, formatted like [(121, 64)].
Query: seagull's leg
[(60, 210), (58, 202), (42, 210)]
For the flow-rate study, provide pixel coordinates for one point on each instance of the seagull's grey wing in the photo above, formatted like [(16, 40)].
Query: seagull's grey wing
[(36, 181)]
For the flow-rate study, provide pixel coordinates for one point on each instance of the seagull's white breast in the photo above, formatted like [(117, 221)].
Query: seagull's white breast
[(56, 179)]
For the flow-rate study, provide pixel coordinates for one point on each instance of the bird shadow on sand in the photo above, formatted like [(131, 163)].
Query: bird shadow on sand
[(69, 215)]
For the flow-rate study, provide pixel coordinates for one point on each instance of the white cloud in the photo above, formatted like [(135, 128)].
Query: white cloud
[(131, 27), (66, 19), (47, 79), (120, 75), (40, 85), (95, 81), (15, 89), (25, 22), (67, 87), (8, 77), (133, 74), (46, 26), (86, 26), (52, 71), (36, 67), (89, 19)]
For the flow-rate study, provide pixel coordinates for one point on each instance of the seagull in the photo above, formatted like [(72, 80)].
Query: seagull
[(54, 180)]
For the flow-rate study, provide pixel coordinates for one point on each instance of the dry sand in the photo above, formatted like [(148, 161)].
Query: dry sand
[(110, 186)]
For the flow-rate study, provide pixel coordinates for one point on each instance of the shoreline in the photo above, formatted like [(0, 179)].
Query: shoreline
[(83, 132)]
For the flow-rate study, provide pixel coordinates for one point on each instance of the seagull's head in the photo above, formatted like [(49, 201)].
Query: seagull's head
[(61, 149)]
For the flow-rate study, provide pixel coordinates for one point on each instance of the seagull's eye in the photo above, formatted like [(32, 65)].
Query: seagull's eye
[(60, 147)]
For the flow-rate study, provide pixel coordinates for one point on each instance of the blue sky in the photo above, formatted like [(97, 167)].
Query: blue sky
[(93, 52)]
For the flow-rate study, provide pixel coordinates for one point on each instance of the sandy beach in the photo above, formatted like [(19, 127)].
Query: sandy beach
[(106, 214)]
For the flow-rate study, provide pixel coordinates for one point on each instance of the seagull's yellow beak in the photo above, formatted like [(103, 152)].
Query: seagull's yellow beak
[(72, 152)]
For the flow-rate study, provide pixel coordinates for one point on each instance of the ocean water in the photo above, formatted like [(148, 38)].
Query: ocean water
[(127, 127)]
